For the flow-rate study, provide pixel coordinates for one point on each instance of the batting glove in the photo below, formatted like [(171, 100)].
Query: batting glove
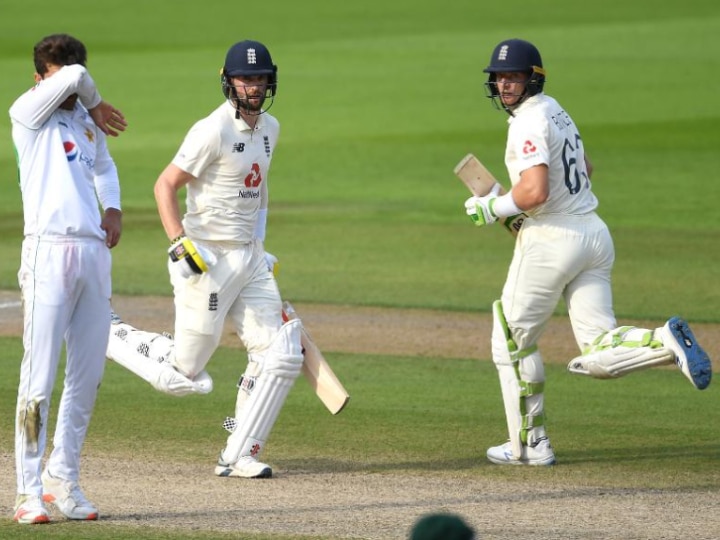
[(480, 209), (189, 259), (272, 263)]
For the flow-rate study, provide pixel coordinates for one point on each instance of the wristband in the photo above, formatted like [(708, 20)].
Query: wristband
[(261, 224), (504, 206)]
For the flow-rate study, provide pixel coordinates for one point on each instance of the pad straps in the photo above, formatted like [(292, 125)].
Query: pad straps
[(527, 388), (617, 339)]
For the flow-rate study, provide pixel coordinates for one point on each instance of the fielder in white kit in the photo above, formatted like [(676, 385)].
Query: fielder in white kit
[(564, 250), (218, 265), (58, 129)]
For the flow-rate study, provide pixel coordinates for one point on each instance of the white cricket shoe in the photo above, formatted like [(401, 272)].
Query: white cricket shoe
[(692, 360), (539, 454), (29, 509), (67, 497), (245, 467)]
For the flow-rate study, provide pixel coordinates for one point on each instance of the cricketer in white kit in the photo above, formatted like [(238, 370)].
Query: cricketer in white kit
[(58, 129), (564, 250), (218, 265)]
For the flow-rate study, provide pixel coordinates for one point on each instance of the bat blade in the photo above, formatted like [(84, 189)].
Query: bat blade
[(479, 180), (475, 176), (317, 371)]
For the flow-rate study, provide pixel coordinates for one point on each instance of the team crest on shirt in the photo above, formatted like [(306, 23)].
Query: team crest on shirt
[(90, 135), (71, 150)]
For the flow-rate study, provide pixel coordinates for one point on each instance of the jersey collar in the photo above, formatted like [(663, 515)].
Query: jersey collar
[(242, 125)]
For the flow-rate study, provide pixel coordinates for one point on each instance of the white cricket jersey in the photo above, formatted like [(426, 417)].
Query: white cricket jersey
[(61, 155), (230, 163), (541, 132)]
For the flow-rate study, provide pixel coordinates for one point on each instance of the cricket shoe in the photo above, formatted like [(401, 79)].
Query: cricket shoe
[(541, 453), (67, 497), (29, 509), (245, 467), (692, 360)]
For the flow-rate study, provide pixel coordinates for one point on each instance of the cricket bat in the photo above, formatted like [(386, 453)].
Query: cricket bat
[(480, 181), (317, 371)]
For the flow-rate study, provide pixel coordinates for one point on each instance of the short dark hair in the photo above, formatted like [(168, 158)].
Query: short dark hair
[(442, 526), (60, 50)]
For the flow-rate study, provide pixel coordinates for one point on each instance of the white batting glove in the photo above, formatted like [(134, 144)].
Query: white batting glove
[(189, 259), (480, 209), (272, 263)]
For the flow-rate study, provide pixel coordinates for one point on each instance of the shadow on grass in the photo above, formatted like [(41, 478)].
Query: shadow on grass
[(333, 466), (690, 453), (667, 459)]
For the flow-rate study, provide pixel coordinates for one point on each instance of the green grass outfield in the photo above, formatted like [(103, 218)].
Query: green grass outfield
[(648, 432), (377, 102)]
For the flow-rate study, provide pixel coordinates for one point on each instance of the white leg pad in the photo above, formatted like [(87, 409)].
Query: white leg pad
[(246, 385), (522, 378), (149, 356), (622, 351), (257, 415)]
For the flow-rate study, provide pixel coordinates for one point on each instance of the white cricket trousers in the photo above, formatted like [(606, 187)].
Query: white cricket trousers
[(238, 287), (560, 256), (66, 286)]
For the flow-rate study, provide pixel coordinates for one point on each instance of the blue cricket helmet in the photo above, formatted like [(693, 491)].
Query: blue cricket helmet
[(516, 55), (248, 58)]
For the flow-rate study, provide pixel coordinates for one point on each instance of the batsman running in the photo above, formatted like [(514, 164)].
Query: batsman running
[(563, 250), (218, 265)]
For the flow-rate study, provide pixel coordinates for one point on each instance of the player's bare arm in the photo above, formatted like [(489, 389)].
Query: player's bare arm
[(533, 188), (170, 181)]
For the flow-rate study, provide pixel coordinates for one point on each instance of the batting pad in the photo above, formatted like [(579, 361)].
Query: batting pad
[(622, 351), (147, 355), (280, 368), (522, 381)]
